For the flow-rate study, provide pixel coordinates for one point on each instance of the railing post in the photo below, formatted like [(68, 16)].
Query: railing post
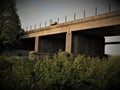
[(74, 16), (66, 18), (26, 28), (54, 20), (40, 25), (50, 21), (45, 23), (84, 13), (58, 20), (35, 26), (30, 27), (109, 7), (96, 11)]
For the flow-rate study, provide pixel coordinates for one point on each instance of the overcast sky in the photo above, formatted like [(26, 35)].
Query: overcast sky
[(33, 12)]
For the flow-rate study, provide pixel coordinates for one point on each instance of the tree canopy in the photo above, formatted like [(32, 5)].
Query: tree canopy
[(10, 26)]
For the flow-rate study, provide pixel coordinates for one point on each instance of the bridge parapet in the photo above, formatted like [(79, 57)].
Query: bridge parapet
[(102, 20), (109, 7)]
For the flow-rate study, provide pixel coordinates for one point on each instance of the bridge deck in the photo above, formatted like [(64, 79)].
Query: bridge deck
[(111, 20)]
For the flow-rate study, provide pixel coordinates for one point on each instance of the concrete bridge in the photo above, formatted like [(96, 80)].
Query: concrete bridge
[(82, 36)]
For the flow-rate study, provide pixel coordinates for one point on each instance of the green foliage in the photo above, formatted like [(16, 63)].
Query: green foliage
[(61, 72), (10, 27)]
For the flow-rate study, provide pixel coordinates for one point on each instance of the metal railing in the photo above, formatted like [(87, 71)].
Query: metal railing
[(74, 16)]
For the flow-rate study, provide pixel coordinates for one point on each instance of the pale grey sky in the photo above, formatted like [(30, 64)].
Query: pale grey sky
[(33, 12)]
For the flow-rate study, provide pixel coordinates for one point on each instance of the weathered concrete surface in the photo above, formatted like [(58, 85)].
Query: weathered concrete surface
[(83, 36), (103, 20), (37, 44), (68, 45)]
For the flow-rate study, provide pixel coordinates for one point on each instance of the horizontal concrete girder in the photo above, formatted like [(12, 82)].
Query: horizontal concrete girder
[(99, 21)]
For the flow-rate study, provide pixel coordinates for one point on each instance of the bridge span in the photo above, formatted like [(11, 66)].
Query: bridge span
[(82, 36)]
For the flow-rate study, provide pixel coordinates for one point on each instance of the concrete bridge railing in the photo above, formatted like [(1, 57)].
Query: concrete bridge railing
[(74, 16)]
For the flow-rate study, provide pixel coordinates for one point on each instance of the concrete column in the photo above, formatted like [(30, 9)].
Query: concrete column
[(37, 44), (68, 42)]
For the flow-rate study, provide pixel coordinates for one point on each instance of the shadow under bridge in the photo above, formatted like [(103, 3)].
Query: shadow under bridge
[(51, 44)]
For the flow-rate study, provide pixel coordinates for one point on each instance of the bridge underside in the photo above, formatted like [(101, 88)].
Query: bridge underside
[(52, 43), (28, 44), (89, 42), (91, 45), (104, 31)]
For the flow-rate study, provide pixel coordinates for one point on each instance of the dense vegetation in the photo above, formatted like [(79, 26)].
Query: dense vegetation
[(10, 26), (59, 73)]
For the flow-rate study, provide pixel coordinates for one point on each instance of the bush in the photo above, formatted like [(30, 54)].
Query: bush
[(61, 72)]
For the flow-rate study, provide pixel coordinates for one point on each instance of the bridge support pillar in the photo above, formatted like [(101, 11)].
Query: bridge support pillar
[(68, 44), (37, 44)]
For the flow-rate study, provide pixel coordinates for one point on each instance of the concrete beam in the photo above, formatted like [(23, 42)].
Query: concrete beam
[(99, 21), (106, 43)]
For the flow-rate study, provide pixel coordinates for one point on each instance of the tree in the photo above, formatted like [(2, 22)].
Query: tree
[(10, 27)]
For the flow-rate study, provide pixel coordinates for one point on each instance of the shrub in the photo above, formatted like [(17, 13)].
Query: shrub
[(61, 72)]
